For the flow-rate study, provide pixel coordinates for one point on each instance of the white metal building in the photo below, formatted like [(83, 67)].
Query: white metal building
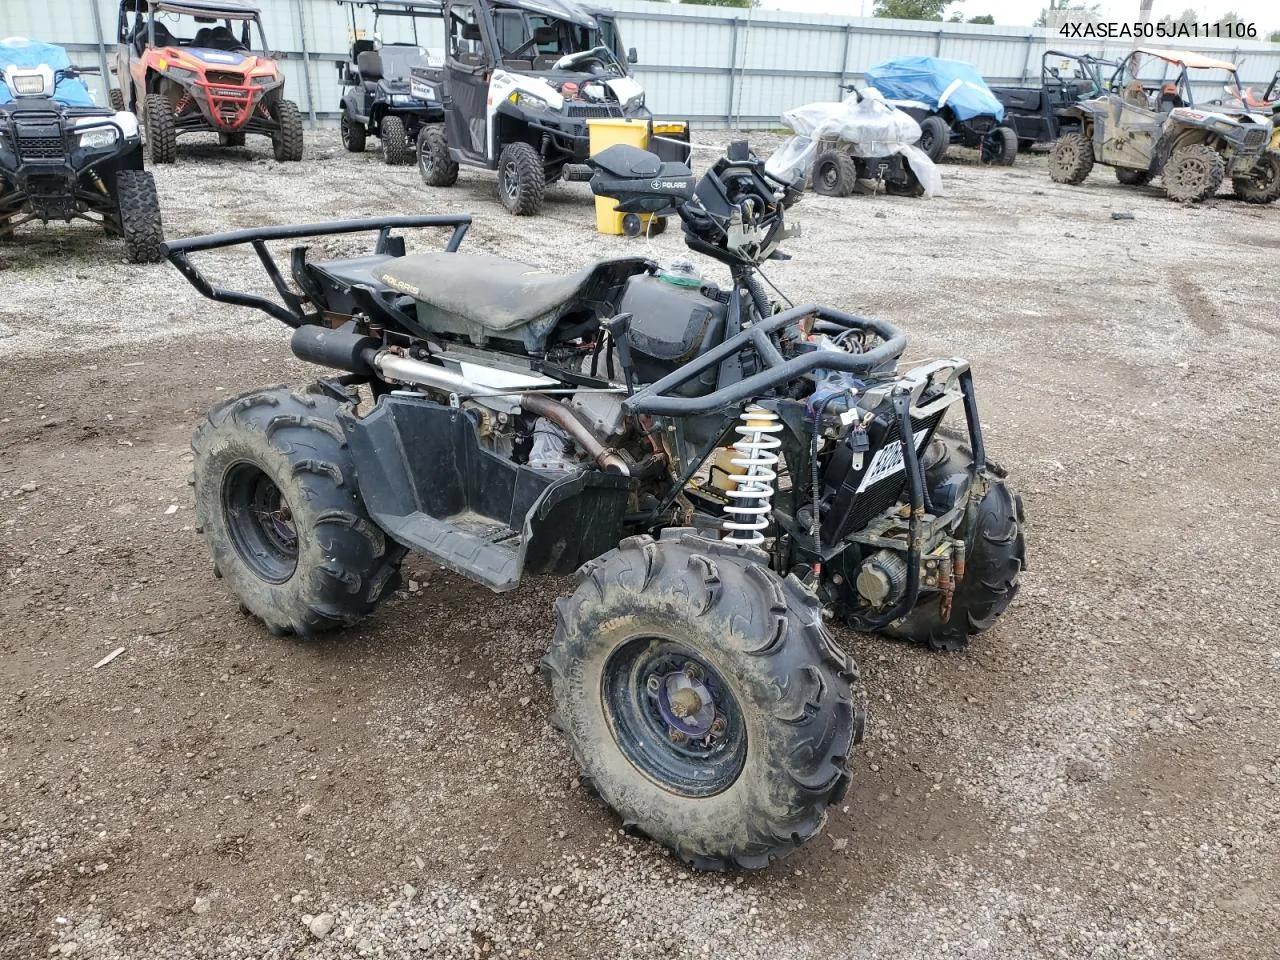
[(716, 66)]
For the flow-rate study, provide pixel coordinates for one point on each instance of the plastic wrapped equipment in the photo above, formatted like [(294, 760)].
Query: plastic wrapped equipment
[(867, 127)]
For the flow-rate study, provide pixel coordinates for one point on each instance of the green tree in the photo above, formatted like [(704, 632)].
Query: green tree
[(1275, 36), (986, 18), (724, 3), (911, 9), (1063, 8)]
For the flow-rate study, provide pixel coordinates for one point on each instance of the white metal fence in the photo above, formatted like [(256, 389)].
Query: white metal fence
[(716, 66)]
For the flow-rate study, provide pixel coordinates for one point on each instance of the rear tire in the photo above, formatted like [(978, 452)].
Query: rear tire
[(287, 141), (1133, 178), (115, 98), (277, 502), (1192, 173), (353, 134), (1071, 158), (162, 133), (1263, 185), (834, 174), (707, 621), (1000, 148), (435, 166), (995, 555), (140, 223), (395, 142), (908, 186), (522, 181), (231, 139), (935, 137)]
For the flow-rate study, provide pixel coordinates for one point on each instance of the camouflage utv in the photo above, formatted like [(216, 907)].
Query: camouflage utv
[(1149, 125)]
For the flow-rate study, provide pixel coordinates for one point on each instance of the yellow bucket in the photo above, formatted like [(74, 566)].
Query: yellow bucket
[(607, 133)]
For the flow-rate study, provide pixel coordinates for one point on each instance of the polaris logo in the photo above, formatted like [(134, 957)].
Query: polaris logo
[(669, 184), (888, 461)]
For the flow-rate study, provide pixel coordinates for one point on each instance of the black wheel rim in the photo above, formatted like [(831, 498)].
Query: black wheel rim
[(674, 717), (511, 181), (829, 176), (346, 132), (260, 523)]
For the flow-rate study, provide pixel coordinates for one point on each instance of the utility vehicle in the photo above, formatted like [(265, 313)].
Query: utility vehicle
[(952, 104), (1149, 125), (192, 66), (63, 158), (716, 470), (384, 93), (521, 79), (1039, 114)]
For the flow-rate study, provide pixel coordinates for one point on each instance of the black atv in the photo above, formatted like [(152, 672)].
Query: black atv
[(384, 94), (62, 158), (717, 471)]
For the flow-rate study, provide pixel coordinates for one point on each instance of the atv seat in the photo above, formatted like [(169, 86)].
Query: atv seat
[(482, 296), (627, 162)]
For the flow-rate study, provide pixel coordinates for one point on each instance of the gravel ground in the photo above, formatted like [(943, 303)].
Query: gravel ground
[(1096, 777)]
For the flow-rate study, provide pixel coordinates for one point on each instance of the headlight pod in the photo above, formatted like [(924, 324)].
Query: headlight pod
[(264, 81), (527, 101), (98, 138), (635, 103), (27, 84), (403, 100)]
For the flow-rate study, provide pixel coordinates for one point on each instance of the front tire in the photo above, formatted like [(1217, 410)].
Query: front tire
[(231, 139), (287, 141), (162, 133), (277, 502), (1071, 158), (995, 555), (436, 167), (1000, 148), (935, 137), (353, 134), (703, 698), (140, 223), (834, 174), (395, 142), (522, 180), (115, 98), (1263, 183), (1192, 173)]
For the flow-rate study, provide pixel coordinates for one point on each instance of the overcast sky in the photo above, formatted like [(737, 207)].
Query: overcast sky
[(1021, 13)]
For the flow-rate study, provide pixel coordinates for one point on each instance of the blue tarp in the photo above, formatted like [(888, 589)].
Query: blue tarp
[(936, 83), (18, 52)]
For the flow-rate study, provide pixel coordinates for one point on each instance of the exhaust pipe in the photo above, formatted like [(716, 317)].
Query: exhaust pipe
[(609, 460), (364, 355)]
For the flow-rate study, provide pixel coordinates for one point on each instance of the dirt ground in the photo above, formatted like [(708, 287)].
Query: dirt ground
[(1099, 776)]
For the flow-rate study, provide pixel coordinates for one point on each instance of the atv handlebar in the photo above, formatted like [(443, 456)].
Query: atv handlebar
[(293, 312)]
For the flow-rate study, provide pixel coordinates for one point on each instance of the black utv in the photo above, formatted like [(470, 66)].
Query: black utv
[(63, 158), (384, 95), (1040, 114)]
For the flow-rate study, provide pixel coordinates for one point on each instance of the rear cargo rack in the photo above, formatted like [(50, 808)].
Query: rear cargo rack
[(294, 312)]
